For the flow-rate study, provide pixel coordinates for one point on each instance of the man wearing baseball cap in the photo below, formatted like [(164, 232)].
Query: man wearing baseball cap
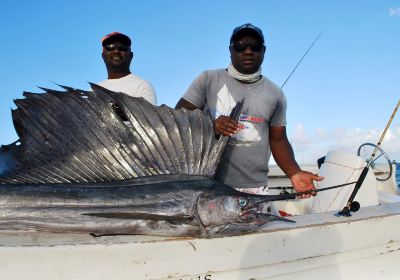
[(261, 129), (117, 56)]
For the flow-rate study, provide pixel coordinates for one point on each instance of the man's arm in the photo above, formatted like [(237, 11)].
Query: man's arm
[(284, 157), (223, 125)]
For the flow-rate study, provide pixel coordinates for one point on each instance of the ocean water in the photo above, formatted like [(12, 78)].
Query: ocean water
[(398, 174)]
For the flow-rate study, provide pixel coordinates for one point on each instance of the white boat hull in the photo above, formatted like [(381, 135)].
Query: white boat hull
[(366, 246)]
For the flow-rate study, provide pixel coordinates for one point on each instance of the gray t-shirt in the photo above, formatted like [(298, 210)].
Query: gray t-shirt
[(244, 162)]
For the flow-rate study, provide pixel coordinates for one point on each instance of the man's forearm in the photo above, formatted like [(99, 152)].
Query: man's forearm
[(284, 157)]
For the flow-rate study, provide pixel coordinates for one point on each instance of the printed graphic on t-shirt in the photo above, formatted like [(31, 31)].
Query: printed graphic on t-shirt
[(225, 102), (250, 133), (252, 125)]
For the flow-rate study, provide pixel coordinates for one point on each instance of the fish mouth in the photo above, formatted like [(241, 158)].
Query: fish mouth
[(256, 208), (255, 213)]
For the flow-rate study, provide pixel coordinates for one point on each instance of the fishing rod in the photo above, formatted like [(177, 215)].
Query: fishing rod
[(298, 63), (287, 196), (354, 206)]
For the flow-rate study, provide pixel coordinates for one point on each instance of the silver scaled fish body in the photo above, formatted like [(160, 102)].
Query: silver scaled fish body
[(105, 163)]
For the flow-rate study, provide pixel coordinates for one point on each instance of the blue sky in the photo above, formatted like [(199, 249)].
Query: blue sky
[(341, 95)]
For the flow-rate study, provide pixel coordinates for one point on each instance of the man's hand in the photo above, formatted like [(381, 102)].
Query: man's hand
[(226, 126), (303, 181)]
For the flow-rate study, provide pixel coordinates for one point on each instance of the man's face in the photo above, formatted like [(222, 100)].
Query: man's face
[(117, 56), (247, 54)]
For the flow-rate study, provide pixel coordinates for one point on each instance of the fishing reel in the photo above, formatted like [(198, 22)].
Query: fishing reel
[(353, 206), (381, 164)]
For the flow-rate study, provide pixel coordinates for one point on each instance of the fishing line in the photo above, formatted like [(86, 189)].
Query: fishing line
[(298, 63)]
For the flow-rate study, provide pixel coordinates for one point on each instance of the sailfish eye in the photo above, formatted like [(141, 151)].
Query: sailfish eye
[(242, 201)]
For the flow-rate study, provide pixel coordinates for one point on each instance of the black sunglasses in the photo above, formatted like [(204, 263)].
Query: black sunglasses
[(241, 47), (121, 48)]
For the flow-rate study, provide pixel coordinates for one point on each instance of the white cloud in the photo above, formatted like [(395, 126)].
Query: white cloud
[(311, 145), (394, 12), (300, 134)]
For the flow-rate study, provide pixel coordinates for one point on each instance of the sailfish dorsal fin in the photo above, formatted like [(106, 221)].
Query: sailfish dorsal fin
[(76, 136)]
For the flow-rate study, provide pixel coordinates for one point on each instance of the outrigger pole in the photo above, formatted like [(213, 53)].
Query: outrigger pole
[(298, 63), (354, 206)]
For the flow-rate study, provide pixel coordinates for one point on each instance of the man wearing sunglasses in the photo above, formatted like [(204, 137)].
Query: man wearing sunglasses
[(262, 125), (117, 56)]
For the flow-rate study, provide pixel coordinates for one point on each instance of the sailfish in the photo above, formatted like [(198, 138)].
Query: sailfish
[(102, 162)]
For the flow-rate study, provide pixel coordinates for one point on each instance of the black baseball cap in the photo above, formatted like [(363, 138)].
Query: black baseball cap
[(247, 29), (116, 37)]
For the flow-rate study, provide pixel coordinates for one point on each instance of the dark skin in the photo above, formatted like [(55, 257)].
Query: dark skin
[(248, 62), (117, 62)]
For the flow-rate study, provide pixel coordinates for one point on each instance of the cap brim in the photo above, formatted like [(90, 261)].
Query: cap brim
[(117, 38), (247, 32)]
